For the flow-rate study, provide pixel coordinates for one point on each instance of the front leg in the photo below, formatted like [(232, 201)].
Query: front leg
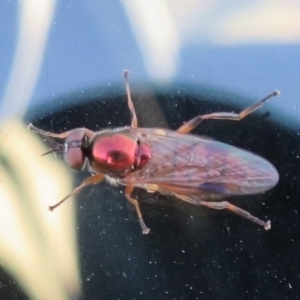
[(89, 181), (61, 136)]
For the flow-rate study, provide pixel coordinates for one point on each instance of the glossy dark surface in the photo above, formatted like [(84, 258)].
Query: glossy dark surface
[(191, 252)]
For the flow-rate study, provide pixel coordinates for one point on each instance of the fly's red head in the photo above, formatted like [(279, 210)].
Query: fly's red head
[(118, 153)]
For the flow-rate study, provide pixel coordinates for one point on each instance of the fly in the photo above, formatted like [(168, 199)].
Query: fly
[(194, 169)]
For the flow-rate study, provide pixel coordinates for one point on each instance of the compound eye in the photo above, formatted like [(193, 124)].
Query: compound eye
[(73, 155)]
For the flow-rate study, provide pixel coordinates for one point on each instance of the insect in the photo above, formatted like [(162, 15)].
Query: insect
[(195, 169)]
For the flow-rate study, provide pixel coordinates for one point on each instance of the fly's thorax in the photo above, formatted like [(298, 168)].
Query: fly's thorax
[(117, 153)]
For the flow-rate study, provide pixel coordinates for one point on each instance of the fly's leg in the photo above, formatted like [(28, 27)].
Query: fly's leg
[(89, 181), (190, 125), (134, 122), (236, 210), (61, 136), (135, 203)]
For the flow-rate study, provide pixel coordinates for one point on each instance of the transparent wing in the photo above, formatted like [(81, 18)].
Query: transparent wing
[(190, 165)]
